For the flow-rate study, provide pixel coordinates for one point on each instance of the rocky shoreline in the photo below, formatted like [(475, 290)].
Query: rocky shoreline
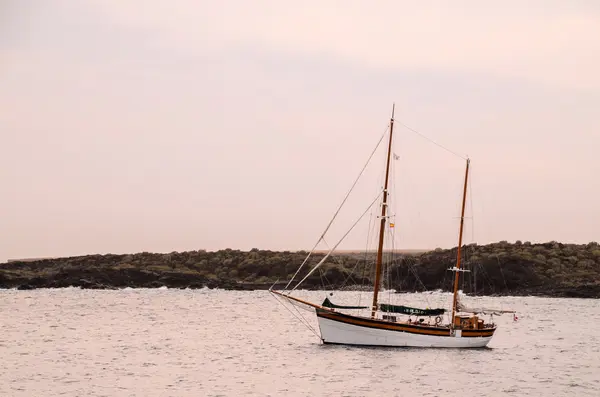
[(176, 282), (499, 269)]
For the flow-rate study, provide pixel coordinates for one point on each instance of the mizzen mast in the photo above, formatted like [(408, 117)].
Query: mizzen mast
[(383, 221), (457, 269)]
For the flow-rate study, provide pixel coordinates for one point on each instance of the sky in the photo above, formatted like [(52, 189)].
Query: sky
[(184, 125)]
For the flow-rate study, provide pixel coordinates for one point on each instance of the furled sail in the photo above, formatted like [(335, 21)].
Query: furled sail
[(481, 310), (410, 310), (328, 303)]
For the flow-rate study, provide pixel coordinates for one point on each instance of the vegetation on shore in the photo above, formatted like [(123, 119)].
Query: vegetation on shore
[(548, 269)]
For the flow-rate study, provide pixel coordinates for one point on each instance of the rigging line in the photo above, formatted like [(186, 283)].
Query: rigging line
[(430, 140), (390, 266), (366, 260), (307, 323), (339, 208), (502, 273), (412, 269), (302, 320), (338, 260), (471, 207), (299, 317), (310, 327), (349, 276), (321, 276), (394, 207), (338, 243), (329, 283), (342, 269)]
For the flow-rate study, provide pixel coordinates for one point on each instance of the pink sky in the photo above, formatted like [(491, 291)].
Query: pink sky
[(205, 125)]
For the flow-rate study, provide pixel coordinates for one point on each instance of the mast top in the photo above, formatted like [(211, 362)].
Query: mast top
[(393, 109)]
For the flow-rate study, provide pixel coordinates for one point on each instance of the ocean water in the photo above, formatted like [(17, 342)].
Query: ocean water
[(158, 342)]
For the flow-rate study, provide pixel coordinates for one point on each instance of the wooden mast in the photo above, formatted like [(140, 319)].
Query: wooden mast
[(460, 234), (383, 221)]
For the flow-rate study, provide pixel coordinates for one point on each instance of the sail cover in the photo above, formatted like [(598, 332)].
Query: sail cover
[(328, 303), (410, 310)]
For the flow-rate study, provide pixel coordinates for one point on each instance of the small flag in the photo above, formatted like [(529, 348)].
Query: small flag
[(515, 318), (391, 224)]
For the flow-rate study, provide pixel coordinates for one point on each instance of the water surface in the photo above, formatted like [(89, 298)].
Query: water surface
[(157, 342)]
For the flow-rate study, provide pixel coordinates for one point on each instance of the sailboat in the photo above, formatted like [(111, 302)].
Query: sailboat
[(464, 329)]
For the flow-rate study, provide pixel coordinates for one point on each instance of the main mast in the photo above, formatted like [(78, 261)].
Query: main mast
[(460, 234), (383, 220)]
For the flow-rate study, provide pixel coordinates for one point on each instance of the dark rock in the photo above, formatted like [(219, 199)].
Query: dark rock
[(548, 269)]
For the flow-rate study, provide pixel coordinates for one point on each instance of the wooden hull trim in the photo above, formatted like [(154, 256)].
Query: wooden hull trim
[(346, 333), (400, 327)]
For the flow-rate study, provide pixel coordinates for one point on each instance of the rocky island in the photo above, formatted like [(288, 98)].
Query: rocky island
[(520, 268)]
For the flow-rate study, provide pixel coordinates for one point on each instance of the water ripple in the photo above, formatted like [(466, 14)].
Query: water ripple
[(160, 342)]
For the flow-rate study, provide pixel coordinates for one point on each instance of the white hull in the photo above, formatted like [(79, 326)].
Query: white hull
[(350, 334)]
